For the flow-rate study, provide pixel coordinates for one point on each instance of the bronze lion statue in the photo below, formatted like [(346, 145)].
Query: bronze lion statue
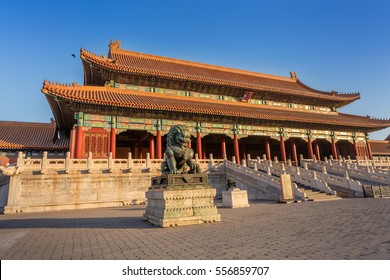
[(178, 154)]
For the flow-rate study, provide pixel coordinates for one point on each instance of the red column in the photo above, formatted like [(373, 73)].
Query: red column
[(79, 142), (369, 149), (236, 149), (151, 146), (294, 152), (204, 150), (334, 149), (309, 148), (199, 145), (267, 148), (113, 142), (355, 149), (189, 144), (283, 149), (317, 150), (223, 146), (72, 146), (159, 144)]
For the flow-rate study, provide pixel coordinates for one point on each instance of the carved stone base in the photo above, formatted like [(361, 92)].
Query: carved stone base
[(180, 200)]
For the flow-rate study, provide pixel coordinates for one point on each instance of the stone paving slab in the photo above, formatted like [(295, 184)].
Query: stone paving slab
[(344, 229)]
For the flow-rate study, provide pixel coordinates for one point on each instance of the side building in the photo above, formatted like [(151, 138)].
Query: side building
[(32, 139)]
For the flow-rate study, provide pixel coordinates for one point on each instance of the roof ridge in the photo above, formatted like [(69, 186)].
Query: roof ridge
[(5, 122), (115, 48)]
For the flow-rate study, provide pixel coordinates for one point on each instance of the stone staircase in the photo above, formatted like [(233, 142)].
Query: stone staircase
[(314, 195)]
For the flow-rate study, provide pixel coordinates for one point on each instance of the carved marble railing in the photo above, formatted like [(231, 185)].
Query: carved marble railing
[(350, 169), (264, 179), (381, 162), (303, 177), (65, 165)]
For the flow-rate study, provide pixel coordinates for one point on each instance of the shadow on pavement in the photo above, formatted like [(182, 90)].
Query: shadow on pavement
[(114, 222)]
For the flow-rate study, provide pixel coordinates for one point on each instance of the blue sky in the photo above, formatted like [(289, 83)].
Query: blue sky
[(331, 45)]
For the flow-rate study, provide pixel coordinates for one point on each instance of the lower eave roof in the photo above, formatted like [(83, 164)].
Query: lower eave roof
[(121, 98), (380, 147)]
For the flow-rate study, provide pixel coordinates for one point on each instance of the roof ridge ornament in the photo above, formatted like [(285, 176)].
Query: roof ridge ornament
[(293, 76), (115, 46)]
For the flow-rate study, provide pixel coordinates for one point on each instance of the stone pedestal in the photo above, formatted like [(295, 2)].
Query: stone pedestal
[(181, 199), (235, 198), (287, 188)]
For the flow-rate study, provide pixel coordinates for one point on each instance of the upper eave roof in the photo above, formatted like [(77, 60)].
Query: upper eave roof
[(121, 98), (30, 135), (169, 68)]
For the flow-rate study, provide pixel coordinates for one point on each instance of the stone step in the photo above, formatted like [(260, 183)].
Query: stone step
[(315, 195), (329, 198)]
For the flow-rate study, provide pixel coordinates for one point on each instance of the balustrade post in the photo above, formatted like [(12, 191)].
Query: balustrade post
[(234, 159), (211, 162), (110, 161), (129, 160), (301, 160), (67, 162), (196, 159), (89, 161), (44, 162), (243, 162), (19, 160), (148, 163)]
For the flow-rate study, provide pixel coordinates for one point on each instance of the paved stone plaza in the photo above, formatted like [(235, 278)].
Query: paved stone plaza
[(345, 229)]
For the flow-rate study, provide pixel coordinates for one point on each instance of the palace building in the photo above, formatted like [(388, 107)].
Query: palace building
[(129, 101)]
